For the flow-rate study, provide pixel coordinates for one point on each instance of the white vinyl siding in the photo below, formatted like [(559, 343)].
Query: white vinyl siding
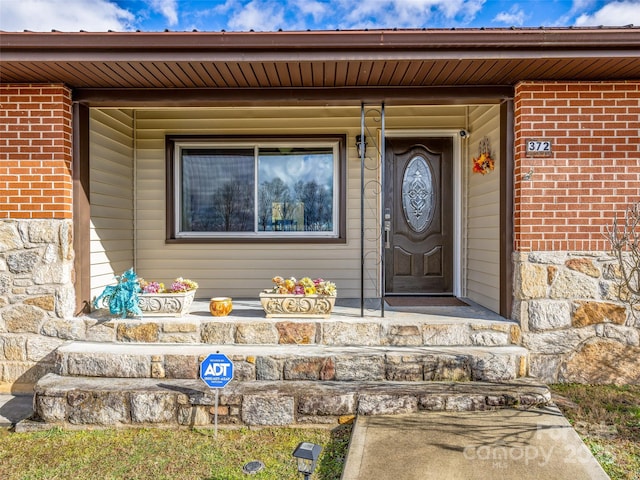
[(124, 176), (483, 211), (242, 270), (111, 196)]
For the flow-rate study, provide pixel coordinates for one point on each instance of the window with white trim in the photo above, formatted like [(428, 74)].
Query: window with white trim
[(262, 188)]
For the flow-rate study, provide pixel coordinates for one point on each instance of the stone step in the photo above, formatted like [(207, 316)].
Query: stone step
[(295, 362), (82, 401), (247, 326)]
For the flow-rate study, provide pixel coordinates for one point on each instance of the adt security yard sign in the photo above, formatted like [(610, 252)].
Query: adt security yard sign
[(216, 370)]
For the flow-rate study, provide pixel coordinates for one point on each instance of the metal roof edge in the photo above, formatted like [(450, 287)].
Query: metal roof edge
[(434, 39)]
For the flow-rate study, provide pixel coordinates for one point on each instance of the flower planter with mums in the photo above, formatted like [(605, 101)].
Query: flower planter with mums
[(304, 298), (166, 304), (156, 300), (133, 296)]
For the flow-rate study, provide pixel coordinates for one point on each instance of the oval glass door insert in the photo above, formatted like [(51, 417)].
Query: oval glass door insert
[(417, 194)]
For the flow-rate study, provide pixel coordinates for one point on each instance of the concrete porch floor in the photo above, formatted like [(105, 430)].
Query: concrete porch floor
[(470, 325), (345, 309)]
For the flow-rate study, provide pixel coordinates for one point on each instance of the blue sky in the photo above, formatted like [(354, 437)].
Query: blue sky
[(270, 15)]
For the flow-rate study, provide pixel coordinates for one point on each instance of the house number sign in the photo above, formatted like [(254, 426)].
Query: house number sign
[(538, 147)]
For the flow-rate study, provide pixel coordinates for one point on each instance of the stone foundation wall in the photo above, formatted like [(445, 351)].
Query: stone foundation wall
[(36, 295), (574, 325)]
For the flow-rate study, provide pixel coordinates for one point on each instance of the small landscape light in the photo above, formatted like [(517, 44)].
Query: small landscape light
[(252, 468), (307, 455)]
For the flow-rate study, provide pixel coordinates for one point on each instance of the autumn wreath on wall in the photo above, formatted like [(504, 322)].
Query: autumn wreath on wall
[(483, 163)]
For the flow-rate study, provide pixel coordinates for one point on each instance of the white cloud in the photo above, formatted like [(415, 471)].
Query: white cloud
[(407, 13), (260, 16), (466, 9), (225, 7), (168, 9), (67, 16), (515, 16), (581, 5), (470, 8), (613, 14), (577, 7), (317, 10)]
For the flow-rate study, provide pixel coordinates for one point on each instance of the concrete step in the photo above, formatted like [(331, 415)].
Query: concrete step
[(462, 326), (82, 401), (296, 362)]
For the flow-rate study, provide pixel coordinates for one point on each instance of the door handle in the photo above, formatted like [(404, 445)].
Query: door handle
[(387, 230)]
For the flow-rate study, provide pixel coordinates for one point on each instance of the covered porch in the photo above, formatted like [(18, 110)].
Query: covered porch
[(129, 180)]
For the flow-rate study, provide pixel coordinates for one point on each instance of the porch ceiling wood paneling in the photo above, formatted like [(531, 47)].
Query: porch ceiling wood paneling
[(325, 74), (344, 59)]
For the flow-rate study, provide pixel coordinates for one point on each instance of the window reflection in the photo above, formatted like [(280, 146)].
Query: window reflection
[(295, 192), (217, 190)]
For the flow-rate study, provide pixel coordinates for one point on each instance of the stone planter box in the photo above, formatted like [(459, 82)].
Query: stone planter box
[(299, 306), (166, 304)]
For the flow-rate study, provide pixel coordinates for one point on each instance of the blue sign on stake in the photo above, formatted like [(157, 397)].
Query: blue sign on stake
[(216, 370)]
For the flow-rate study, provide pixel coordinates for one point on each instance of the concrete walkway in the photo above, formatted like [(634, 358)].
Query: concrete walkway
[(14, 408), (503, 444)]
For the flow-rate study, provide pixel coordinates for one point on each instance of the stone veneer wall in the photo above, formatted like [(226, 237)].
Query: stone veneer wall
[(572, 322), (564, 290), (36, 295)]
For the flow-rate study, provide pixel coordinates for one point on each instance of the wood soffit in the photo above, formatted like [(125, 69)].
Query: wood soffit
[(347, 63)]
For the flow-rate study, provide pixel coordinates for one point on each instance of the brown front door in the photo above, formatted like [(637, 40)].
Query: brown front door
[(418, 215)]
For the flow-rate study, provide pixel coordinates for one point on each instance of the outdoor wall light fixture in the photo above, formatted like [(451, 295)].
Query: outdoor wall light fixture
[(307, 455), (361, 145)]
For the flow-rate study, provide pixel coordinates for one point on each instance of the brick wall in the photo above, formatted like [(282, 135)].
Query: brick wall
[(594, 172), (35, 152)]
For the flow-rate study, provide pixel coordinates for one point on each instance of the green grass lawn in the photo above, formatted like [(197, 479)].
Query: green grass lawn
[(166, 454), (607, 418)]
